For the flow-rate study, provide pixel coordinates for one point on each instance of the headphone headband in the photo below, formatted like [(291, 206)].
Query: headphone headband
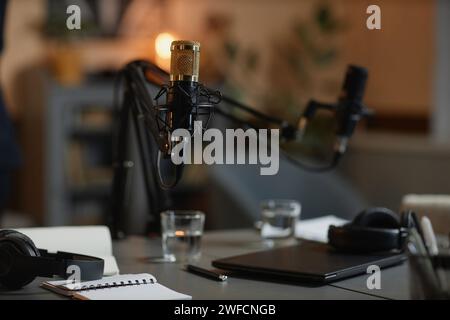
[(22, 262), (57, 264)]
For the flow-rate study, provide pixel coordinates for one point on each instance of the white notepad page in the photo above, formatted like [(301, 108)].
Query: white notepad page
[(90, 240), (123, 287), (317, 229)]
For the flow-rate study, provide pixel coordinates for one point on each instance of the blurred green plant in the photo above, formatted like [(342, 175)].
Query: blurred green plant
[(295, 58), (307, 49)]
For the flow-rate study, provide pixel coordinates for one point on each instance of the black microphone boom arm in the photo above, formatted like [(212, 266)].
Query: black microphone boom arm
[(138, 108)]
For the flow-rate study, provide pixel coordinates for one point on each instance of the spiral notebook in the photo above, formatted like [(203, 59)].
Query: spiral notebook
[(123, 287)]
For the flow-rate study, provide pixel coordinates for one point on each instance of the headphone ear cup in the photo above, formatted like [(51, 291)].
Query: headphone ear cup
[(4, 233), (13, 275), (375, 229), (377, 218), (5, 260), (30, 246), (338, 237), (355, 239)]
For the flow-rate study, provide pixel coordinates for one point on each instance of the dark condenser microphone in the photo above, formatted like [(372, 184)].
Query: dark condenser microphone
[(180, 102), (350, 108), (187, 101), (184, 75), (181, 91)]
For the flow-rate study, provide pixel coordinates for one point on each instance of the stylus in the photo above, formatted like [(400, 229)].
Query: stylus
[(430, 238), (211, 274)]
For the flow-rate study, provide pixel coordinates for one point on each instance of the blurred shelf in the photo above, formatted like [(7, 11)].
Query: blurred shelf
[(77, 116), (90, 192), (90, 132)]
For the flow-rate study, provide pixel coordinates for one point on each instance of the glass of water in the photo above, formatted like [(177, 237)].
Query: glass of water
[(181, 235), (279, 218)]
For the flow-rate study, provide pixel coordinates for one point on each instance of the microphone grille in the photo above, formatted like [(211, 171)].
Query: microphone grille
[(185, 61)]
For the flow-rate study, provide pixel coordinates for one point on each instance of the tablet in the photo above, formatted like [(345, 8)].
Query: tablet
[(307, 262)]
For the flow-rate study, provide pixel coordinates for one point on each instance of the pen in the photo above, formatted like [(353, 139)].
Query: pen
[(430, 238), (418, 245), (417, 225), (431, 243), (206, 273)]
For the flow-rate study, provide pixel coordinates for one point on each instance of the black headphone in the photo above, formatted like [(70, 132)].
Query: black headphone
[(21, 262), (374, 229)]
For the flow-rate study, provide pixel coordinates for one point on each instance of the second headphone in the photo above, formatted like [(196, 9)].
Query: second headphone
[(373, 230)]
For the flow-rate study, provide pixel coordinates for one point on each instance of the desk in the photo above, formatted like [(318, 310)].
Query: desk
[(131, 254)]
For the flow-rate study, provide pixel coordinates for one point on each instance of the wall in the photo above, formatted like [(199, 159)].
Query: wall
[(441, 115), (24, 45), (400, 56), (385, 167)]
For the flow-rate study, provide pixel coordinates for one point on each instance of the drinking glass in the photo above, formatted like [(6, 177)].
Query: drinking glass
[(181, 235), (279, 218)]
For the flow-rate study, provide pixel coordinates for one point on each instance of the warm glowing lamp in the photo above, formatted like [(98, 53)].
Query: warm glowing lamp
[(162, 48)]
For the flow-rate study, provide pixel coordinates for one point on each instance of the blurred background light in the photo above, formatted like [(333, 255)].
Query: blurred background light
[(162, 45)]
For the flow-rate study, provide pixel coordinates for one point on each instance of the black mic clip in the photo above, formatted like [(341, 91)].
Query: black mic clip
[(345, 131), (310, 112), (196, 104)]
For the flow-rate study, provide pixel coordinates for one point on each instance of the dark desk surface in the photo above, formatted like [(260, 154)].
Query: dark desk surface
[(131, 256)]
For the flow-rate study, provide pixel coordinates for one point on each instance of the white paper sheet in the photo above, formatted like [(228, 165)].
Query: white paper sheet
[(317, 229)]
